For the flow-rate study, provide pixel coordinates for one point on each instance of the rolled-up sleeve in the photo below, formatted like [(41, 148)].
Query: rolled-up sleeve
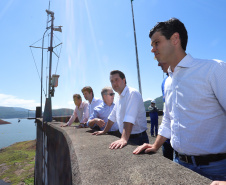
[(132, 108), (73, 116), (92, 116), (85, 115), (112, 116)]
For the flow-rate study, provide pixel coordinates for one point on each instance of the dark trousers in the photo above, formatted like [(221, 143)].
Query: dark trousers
[(154, 126), (167, 150), (139, 139)]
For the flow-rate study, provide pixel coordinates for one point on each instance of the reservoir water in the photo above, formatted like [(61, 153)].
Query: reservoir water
[(17, 131)]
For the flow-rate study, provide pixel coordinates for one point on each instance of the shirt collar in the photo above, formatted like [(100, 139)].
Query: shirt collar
[(186, 62), (107, 105), (124, 91), (81, 105), (93, 100)]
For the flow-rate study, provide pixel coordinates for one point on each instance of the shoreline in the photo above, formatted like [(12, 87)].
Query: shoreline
[(4, 122)]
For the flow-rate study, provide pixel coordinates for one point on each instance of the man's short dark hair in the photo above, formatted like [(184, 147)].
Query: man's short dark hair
[(88, 89), (120, 73), (78, 96), (168, 28)]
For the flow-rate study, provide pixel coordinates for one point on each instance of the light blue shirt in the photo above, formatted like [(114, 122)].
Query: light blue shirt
[(95, 102), (102, 111)]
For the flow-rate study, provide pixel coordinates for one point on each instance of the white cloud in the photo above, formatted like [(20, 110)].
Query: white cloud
[(13, 101), (71, 103), (148, 99)]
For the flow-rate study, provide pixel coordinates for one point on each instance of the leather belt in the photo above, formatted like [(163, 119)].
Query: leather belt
[(202, 159), (137, 135)]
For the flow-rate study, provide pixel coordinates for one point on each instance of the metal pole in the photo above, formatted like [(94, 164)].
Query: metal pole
[(42, 68), (50, 55), (48, 105), (138, 69)]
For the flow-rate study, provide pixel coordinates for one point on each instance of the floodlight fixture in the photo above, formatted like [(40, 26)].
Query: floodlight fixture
[(58, 28), (50, 12)]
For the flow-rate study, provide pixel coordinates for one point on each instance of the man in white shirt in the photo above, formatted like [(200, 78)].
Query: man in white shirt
[(195, 104), (81, 112), (128, 112), (89, 95)]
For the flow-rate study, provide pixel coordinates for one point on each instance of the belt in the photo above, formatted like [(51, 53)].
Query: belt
[(137, 135), (202, 159)]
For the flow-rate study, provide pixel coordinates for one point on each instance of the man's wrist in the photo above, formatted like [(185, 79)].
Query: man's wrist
[(96, 120), (124, 139), (104, 132)]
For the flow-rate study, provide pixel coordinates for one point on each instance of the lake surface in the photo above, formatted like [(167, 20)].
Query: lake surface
[(17, 131)]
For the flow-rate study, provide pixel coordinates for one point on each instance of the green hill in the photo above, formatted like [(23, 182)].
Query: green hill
[(17, 112), (62, 112), (159, 103)]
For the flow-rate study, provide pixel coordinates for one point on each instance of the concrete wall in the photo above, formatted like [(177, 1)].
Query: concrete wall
[(75, 156), (57, 156)]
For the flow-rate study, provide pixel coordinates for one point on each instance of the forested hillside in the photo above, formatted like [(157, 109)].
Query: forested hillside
[(159, 103), (17, 112)]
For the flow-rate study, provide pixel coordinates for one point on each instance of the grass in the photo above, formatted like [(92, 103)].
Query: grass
[(17, 162)]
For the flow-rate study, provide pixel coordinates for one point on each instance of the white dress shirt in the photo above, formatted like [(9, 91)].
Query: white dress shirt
[(129, 108), (195, 107), (95, 102), (82, 113)]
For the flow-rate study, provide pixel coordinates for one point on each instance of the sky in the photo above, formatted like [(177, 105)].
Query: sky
[(97, 37)]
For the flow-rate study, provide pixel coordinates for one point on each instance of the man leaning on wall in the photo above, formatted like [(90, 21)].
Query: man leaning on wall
[(81, 112), (195, 104), (99, 117), (128, 112)]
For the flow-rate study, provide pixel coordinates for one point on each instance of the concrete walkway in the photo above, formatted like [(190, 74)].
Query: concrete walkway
[(92, 162)]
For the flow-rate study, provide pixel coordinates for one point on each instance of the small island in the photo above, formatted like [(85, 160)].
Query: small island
[(3, 122)]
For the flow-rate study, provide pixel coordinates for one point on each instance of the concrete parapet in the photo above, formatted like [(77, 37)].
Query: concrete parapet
[(75, 156)]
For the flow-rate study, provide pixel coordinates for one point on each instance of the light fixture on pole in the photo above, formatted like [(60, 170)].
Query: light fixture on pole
[(54, 83), (58, 28)]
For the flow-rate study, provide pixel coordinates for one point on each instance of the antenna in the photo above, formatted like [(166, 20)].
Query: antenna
[(53, 80)]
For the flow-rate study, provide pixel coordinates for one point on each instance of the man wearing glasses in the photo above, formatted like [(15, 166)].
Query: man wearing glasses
[(128, 112), (99, 117)]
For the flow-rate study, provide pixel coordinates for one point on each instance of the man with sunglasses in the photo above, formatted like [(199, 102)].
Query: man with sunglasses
[(100, 114), (128, 112)]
